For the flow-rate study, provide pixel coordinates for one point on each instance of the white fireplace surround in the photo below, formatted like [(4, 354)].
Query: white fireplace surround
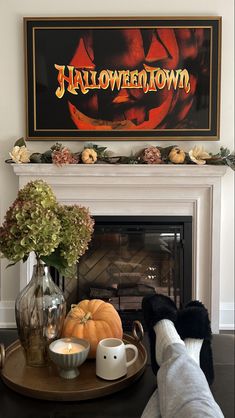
[(154, 190)]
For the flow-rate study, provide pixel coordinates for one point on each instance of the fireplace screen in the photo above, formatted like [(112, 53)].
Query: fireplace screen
[(129, 258)]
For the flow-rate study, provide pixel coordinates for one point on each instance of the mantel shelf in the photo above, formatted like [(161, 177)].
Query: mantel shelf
[(127, 170)]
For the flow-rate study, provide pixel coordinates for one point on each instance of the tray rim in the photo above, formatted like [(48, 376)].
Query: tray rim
[(79, 395)]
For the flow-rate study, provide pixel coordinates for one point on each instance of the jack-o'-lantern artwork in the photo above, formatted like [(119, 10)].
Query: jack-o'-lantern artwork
[(123, 78)]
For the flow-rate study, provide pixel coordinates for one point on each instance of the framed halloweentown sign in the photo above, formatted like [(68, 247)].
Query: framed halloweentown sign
[(123, 78)]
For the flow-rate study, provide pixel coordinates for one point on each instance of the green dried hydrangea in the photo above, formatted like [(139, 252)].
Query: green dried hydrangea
[(40, 193), (58, 235), (29, 227), (76, 232)]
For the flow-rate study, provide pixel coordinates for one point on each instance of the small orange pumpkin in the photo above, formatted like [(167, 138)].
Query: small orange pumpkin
[(177, 156), (89, 156), (93, 320)]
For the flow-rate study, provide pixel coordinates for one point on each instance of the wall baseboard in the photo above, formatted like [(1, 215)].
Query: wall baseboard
[(227, 316), (7, 315)]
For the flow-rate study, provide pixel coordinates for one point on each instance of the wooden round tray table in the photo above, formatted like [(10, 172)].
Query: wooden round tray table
[(45, 382)]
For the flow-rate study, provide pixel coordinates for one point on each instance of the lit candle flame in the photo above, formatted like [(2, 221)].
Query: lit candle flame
[(69, 347)]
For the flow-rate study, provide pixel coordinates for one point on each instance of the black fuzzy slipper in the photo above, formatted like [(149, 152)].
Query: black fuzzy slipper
[(193, 322), (157, 307)]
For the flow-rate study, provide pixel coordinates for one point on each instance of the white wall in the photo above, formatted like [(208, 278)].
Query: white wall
[(12, 106)]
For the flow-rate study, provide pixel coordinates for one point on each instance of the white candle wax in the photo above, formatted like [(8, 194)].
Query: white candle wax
[(68, 348)]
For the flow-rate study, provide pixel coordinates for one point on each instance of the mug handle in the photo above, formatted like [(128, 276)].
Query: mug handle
[(132, 347)]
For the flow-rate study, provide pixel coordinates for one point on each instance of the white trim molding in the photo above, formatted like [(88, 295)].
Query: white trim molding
[(176, 190)]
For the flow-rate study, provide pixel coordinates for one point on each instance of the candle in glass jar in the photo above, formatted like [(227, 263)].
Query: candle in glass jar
[(68, 348)]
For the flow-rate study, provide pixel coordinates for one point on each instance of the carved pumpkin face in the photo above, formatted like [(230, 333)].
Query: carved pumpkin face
[(131, 49)]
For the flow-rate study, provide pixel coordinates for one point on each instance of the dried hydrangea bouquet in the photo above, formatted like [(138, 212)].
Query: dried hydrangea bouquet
[(58, 235)]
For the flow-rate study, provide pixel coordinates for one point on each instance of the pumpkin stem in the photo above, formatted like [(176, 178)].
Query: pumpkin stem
[(86, 318), (74, 314)]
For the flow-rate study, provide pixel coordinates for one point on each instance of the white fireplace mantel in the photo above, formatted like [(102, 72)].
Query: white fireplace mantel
[(176, 190)]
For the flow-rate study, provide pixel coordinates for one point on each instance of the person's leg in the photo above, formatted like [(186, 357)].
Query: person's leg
[(166, 309), (193, 326), (166, 335), (183, 389)]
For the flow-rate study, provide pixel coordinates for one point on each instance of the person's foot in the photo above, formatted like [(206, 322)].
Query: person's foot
[(159, 311), (193, 326)]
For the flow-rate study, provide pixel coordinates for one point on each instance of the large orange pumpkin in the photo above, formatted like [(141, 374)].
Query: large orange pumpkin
[(93, 320)]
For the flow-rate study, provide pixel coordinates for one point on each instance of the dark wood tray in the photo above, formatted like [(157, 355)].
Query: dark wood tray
[(45, 382)]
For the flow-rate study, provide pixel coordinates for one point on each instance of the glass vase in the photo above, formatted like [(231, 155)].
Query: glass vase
[(40, 310)]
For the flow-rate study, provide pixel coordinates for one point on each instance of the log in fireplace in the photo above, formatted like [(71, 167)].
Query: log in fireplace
[(133, 256)]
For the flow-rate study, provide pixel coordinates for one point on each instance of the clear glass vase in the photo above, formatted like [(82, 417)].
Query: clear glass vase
[(40, 310)]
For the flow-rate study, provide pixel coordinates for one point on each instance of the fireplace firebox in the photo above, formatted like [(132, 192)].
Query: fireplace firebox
[(133, 256)]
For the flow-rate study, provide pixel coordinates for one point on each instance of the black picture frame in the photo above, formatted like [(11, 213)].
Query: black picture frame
[(142, 78)]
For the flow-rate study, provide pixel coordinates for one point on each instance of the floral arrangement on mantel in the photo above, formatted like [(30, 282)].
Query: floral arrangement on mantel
[(60, 155), (36, 222)]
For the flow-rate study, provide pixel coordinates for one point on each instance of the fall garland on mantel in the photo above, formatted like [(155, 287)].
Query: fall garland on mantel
[(60, 155)]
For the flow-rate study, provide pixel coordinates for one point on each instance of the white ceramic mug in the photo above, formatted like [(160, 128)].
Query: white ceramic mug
[(111, 361)]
